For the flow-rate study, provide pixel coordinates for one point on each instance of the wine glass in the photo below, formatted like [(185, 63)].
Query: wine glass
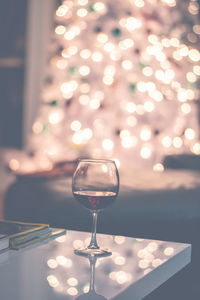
[(91, 295), (95, 185)]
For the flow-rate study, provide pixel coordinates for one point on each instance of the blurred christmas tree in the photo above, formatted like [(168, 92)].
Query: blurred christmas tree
[(121, 82)]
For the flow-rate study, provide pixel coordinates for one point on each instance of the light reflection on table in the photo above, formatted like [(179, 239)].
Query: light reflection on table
[(51, 271), (131, 260)]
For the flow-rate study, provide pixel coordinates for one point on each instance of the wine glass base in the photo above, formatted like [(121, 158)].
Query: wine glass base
[(87, 252)]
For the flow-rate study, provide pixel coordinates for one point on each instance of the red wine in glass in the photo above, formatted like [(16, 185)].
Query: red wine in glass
[(95, 200)]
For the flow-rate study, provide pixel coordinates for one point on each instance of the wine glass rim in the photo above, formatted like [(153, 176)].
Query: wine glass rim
[(96, 160)]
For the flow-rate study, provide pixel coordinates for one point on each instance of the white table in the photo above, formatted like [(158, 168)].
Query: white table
[(51, 271)]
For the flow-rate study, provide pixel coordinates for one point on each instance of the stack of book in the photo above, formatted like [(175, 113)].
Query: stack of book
[(15, 235)]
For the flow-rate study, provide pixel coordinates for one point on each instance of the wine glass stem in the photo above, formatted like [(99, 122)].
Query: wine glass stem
[(92, 272), (93, 242)]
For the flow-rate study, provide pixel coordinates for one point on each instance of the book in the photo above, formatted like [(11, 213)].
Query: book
[(55, 232), (4, 256), (15, 234), (4, 242)]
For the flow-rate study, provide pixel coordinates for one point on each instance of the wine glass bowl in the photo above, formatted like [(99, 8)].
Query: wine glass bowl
[(95, 184)]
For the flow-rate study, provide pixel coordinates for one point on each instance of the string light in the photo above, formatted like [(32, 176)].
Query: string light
[(127, 142), (82, 12), (158, 167), (102, 38), (97, 56), (166, 141), (56, 116), (194, 55), (100, 7), (37, 127), (108, 80), (118, 74), (77, 138), (95, 103), (82, 2), (193, 7), (139, 3), (145, 134), (149, 106), (196, 148), (62, 10), (84, 99), (127, 65), (145, 152), (61, 64), (60, 30), (107, 144), (85, 53), (14, 164), (87, 133), (76, 125), (189, 134), (133, 23), (84, 70), (131, 107), (196, 29), (191, 77), (186, 108), (108, 47), (72, 50), (131, 121), (147, 71), (177, 142), (72, 291), (196, 70)]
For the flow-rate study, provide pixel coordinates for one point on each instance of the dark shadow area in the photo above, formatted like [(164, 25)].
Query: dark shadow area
[(12, 53)]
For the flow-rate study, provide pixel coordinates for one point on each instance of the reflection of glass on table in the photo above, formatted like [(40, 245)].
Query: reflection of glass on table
[(91, 294)]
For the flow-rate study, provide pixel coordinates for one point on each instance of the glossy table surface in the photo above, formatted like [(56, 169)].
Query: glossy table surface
[(52, 271)]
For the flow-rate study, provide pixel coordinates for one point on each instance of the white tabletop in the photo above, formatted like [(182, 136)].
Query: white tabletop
[(51, 271)]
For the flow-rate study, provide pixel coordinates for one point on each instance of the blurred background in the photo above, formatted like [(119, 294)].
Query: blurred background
[(98, 79), (23, 26)]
